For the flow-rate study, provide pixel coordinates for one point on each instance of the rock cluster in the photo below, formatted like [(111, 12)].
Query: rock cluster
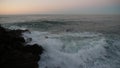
[(15, 53)]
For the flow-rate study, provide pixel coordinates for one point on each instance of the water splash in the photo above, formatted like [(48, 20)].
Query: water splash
[(72, 50)]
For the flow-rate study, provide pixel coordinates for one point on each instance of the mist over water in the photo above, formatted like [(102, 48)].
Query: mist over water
[(72, 41)]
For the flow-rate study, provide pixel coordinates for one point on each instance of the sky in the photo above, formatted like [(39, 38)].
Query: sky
[(59, 6)]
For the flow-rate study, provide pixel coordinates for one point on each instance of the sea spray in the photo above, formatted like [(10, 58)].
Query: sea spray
[(71, 50)]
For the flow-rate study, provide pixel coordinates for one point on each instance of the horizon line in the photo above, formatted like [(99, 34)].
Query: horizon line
[(62, 14)]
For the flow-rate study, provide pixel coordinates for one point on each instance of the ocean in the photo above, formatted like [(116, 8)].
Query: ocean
[(71, 41)]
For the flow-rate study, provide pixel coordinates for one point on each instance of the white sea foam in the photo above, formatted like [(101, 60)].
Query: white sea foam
[(70, 50), (17, 27)]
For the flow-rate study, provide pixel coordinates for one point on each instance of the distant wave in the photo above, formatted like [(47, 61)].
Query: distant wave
[(43, 25)]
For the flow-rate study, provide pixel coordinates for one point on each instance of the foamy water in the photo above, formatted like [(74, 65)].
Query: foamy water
[(66, 46), (71, 50)]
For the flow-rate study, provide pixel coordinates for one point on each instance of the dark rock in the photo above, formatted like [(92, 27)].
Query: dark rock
[(35, 49), (69, 30), (14, 53)]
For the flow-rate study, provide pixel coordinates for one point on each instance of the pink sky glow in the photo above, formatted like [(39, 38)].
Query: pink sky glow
[(47, 6)]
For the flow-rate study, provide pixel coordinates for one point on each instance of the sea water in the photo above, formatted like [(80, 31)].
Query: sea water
[(71, 41)]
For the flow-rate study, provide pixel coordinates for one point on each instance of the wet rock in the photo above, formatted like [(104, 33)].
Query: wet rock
[(14, 53)]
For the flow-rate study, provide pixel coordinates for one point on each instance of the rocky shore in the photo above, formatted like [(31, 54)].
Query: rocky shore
[(14, 51)]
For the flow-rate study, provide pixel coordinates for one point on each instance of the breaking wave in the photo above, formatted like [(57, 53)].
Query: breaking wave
[(77, 50)]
